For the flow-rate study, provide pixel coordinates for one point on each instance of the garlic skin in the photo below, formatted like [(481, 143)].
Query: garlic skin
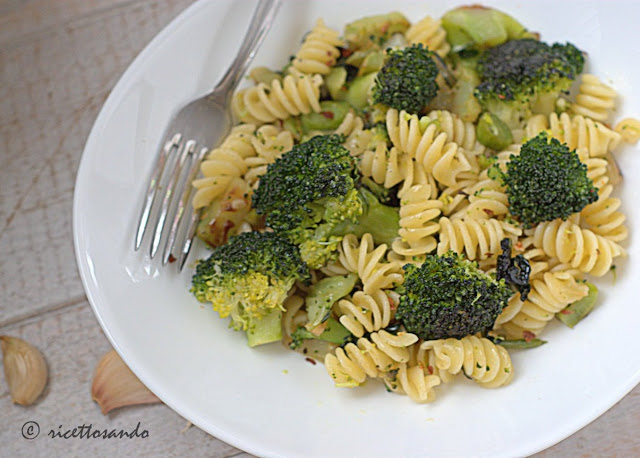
[(24, 368), (114, 385)]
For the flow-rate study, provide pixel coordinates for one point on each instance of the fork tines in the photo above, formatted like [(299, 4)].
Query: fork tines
[(175, 168)]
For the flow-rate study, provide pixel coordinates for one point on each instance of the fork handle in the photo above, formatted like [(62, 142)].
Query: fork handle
[(261, 22)]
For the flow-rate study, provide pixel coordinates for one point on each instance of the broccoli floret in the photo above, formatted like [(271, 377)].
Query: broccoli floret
[(449, 296), (407, 81), (311, 190), (524, 76), (249, 279), (546, 181)]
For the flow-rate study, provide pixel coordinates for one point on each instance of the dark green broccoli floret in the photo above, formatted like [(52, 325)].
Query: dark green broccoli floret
[(449, 296), (546, 181), (407, 81), (249, 279), (311, 190), (524, 76)]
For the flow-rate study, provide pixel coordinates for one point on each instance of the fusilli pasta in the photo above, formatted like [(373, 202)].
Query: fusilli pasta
[(480, 359), (319, 50)]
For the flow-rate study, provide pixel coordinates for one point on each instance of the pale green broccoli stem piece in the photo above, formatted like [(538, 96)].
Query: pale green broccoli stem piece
[(493, 133), (265, 330), (477, 26), (323, 294), (575, 312), (381, 221), (359, 92), (374, 31), (329, 118), (335, 82)]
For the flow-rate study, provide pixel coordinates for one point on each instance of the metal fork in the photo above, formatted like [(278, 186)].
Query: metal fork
[(195, 128)]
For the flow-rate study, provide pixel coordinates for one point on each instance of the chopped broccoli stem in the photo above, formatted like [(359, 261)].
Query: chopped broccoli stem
[(493, 133), (323, 294), (334, 333), (518, 344), (381, 221), (265, 330), (480, 27), (329, 118), (373, 31), (578, 310)]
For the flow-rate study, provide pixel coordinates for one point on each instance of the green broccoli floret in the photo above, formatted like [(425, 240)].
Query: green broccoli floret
[(249, 279), (311, 190), (449, 296), (525, 76), (407, 81), (546, 181)]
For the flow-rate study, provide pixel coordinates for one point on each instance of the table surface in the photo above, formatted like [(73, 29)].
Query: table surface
[(58, 61)]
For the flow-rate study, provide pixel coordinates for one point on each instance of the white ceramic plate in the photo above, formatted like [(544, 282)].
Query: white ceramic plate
[(269, 401)]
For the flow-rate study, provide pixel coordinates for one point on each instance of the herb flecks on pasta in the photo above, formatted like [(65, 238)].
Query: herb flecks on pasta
[(358, 209)]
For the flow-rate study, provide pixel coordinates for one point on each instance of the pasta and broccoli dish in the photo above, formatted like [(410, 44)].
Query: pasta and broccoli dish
[(410, 201)]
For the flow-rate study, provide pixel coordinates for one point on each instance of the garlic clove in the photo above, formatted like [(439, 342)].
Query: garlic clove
[(24, 368), (114, 385)]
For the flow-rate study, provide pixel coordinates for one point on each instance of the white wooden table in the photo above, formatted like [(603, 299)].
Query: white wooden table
[(58, 61)]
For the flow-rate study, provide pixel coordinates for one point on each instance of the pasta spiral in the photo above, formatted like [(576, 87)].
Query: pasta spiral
[(603, 217), (581, 248), (429, 148), (461, 132), (387, 168), (414, 381), (487, 199), (629, 130), (595, 99), (223, 164), (576, 131), (269, 144), (367, 260), (418, 212), (368, 312), (477, 238), (296, 94), (548, 295), (319, 50), (430, 33), (480, 359), (357, 137), (372, 357)]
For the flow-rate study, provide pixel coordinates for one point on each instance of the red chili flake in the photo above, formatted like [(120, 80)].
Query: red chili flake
[(327, 114), (227, 207), (226, 228), (312, 361), (567, 312), (528, 336), (518, 246), (172, 258), (488, 211), (502, 96), (392, 306), (430, 369), (346, 52)]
